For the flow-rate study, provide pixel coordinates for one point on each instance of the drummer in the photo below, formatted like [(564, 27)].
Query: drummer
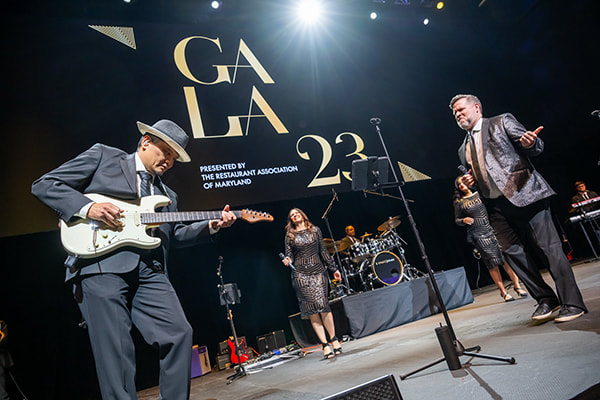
[(347, 241)]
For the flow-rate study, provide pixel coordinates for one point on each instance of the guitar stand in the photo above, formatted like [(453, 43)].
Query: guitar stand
[(451, 347), (228, 297)]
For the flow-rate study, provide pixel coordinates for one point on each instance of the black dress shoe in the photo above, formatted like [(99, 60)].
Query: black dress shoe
[(543, 311), (568, 313)]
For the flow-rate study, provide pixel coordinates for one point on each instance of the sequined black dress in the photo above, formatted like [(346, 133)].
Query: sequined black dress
[(307, 251), (480, 233)]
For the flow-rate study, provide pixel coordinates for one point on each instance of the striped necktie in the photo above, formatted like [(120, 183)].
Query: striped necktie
[(145, 182)]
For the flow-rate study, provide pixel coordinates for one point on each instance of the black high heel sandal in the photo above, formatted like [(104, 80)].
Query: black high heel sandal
[(329, 355), (520, 292), (337, 351)]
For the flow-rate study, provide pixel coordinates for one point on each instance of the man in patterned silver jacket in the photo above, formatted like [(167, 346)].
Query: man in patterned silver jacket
[(496, 153)]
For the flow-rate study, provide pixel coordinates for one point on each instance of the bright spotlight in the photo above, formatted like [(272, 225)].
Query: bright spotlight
[(309, 10), (426, 21), (373, 15), (439, 5), (215, 4)]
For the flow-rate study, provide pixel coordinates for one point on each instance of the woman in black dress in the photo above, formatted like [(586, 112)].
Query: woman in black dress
[(470, 211), (307, 256)]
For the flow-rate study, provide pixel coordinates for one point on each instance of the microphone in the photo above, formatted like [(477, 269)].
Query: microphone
[(282, 256), (335, 196), (462, 170), (375, 121)]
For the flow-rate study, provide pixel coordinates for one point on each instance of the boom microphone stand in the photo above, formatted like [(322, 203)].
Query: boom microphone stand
[(451, 347), (230, 299), (337, 256)]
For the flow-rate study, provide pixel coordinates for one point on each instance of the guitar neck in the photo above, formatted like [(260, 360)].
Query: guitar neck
[(181, 216)]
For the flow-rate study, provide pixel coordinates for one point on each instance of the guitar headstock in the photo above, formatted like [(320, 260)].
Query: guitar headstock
[(252, 216)]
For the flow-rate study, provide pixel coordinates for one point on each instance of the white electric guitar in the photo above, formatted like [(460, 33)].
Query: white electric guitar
[(88, 238)]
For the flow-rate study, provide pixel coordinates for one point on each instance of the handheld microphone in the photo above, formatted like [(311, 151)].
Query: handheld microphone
[(282, 256), (375, 121), (462, 170)]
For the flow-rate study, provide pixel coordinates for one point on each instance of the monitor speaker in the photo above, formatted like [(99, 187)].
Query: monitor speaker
[(384, 388)]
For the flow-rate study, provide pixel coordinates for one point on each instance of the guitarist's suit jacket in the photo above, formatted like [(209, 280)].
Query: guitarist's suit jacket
[(507, 162), (111, 172)]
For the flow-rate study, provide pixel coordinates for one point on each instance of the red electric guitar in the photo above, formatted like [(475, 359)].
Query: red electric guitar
[(244, 355)]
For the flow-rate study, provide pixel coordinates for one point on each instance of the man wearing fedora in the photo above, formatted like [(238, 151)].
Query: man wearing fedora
[(129, 285)]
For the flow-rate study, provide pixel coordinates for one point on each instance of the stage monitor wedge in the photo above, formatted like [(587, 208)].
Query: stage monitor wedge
[(384, 388)]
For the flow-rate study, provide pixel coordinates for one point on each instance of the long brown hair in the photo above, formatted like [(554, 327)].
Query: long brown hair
[(290, 227)]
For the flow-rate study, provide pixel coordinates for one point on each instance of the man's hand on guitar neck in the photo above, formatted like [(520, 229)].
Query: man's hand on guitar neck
[(107, 213), (227, 219)]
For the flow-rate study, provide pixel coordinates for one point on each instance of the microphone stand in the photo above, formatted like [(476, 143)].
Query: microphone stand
[(451, 347), (240, 372), (346, 285)]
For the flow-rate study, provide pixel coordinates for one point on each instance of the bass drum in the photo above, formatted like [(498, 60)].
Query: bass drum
[(387, 268)]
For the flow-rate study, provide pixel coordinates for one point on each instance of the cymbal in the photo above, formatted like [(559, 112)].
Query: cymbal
[(339, 244), (366, 235), (390, 224), (342, 245)]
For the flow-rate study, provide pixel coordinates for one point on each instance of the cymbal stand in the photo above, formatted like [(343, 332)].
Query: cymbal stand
[(451, 347), (240, 371), (346, 285), (409, 271)]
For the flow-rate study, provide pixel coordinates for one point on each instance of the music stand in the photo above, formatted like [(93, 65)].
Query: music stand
[(451, 347), (230, 294)]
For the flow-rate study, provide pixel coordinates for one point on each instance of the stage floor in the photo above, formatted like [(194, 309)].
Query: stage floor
[(553, 361)]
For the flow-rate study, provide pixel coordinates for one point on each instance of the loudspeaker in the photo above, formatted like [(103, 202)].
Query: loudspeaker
[(200, 361), (370, 173), (224, 345), (223, 361), (270, 341), (384, 388)]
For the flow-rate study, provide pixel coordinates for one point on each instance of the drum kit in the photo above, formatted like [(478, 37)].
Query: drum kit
[(376, 261)]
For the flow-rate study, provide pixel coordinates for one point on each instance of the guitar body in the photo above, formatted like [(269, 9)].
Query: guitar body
[(244, 355), (88, 238)]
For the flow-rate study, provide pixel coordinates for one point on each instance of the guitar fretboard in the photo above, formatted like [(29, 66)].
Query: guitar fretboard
[(181, 216)]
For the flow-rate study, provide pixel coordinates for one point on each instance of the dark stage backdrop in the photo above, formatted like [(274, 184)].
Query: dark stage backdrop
[(280, 112)]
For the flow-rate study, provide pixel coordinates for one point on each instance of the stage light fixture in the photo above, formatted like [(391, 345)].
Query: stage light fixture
[(439, 5), (426, 21), (373, 15), (309, 10), (215, 4)]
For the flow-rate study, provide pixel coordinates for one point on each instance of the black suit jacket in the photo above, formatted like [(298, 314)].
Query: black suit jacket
[(508, 163), (111, 172)]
